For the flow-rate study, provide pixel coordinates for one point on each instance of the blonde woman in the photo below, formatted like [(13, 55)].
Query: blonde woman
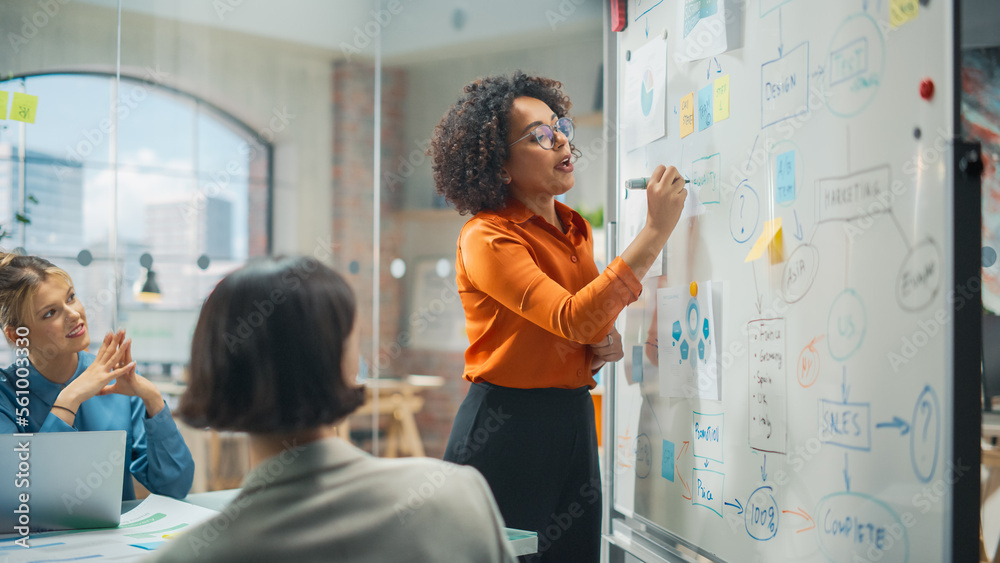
[(70, 389)]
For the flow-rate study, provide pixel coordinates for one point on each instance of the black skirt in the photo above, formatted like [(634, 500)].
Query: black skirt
[(537, 449)]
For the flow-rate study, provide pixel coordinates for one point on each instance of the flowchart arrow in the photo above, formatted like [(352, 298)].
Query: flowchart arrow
[(686, 488), (647, 28), (902, 425), (781, 41), (684, 447), (798, 227), (706, 464), (802, 514), (763, 469), (756, 292), (844, 387), (737, 506), (847, 478), (718, 69)]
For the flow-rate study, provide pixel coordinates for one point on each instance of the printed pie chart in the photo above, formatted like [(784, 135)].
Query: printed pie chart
[(647, 92)]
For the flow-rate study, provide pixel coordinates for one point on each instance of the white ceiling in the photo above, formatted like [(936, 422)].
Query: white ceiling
[(419, 27)]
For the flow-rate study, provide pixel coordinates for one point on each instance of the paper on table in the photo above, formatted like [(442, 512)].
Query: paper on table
[(645, 101), (140, 529)]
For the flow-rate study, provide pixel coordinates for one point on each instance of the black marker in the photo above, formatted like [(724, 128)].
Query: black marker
[(640, 183)]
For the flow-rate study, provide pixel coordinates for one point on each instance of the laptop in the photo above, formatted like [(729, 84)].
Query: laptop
[(61, 480)]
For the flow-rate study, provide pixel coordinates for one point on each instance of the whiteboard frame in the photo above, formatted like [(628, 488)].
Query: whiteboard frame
[(633, 534)]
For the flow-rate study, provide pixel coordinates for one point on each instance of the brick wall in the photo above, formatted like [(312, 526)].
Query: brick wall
[(352, 171)]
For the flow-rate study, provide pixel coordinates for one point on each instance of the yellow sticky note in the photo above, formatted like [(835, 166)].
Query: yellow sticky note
[(3, 104), (772, 231), (902, 11), (721, 98), (23, 108), (687, 115)]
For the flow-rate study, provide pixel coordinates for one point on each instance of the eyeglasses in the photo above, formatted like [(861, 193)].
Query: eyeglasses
[(546, 137)]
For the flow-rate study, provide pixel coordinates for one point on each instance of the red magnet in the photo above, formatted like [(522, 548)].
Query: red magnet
[(618, 19), (927, 88)]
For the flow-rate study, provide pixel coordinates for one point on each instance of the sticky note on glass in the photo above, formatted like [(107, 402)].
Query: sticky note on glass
[(687, 115), (3, 104), (771, 237), (784, 184), (706, 107), (23, 108), (721, 98), (902, 11), (667, 464), (637, 364)]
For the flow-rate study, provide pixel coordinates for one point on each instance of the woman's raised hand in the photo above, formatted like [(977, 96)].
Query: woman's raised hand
[(665, 195)]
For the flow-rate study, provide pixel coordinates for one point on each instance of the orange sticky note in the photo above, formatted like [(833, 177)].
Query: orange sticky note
[(24, 107), (772, 232), (687, 115), (3, 104), (721, 98)]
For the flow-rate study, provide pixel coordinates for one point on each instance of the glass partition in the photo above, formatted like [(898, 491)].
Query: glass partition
[(430, 51), (57, 142), (171, 141)]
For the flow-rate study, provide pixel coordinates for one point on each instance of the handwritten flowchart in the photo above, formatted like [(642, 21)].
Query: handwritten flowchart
[(806, 222)]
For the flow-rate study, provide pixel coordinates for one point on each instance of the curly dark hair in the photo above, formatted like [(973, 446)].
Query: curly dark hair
[(470, 143)]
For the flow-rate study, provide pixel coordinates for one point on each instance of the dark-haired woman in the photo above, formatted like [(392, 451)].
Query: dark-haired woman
[(539, 316), (311, 496), (70, 389)]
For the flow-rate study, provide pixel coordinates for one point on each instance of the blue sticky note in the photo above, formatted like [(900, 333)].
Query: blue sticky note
[(637, 364), (784, 184), (667, 466), (706, 102)]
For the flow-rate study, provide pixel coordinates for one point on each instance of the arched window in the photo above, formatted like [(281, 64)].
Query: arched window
[(179, 179)]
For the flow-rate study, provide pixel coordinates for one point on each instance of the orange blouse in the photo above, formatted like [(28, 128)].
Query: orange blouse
[(533, 298)]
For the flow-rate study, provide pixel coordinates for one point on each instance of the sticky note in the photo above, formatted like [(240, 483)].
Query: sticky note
[(721, 98), (3, 104), (706, 106), (771, 230), (23, 108), (784, 183), (637, 364), (687, 115), (902, 11), (667, 465)]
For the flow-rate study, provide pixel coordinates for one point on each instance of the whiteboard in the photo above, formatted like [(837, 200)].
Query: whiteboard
[(831, 440)]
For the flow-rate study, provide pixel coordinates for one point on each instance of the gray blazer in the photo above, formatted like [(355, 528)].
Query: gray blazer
[(330, 501)]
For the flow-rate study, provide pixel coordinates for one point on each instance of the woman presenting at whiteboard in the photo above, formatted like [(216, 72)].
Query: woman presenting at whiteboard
[(539, 316)]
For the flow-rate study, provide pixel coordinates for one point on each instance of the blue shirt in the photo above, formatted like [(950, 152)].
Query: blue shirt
[(154, 449)]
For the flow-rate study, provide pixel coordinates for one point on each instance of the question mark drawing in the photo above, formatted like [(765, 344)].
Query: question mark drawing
[(926, 406), (742, 203)]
